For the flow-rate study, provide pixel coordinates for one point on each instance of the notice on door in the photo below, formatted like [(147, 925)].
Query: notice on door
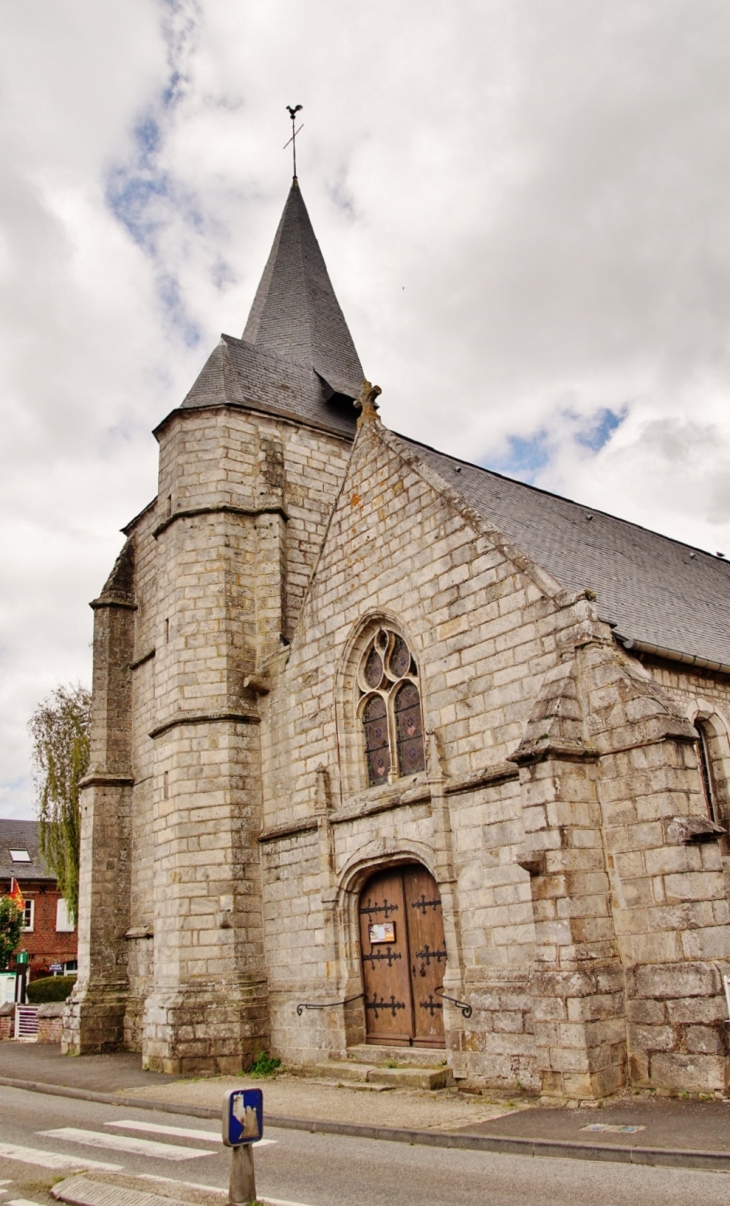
[(382, 932)]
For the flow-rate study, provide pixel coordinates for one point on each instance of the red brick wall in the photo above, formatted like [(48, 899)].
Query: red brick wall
[(43, 944)]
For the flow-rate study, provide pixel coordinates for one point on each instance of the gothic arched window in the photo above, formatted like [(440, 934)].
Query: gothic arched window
[(704, 755), (390, 708)]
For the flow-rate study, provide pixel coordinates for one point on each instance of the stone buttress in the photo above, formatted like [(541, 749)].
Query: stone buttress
[(95, 1020)]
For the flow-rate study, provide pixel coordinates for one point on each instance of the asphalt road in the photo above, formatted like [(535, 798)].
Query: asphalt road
[(315, 1170)]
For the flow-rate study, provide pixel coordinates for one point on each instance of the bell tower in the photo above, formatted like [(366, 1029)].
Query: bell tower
[(250, 465)]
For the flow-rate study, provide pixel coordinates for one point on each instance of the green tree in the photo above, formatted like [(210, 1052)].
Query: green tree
[(11, 924), (59, 728)]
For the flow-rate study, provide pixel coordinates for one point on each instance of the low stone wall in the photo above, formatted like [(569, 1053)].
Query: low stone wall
[(7, 1021), (50, 1019)]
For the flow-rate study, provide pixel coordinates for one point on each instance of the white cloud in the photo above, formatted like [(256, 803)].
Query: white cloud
[(522, 204)]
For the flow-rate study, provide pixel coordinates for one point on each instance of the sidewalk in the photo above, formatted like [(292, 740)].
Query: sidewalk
[(638, 1128)]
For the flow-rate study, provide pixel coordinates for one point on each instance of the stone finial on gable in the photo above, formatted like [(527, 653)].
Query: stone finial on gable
[(366, 404), (555, 726)]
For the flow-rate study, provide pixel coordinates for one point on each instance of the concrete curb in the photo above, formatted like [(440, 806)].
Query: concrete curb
[(508, 1145)]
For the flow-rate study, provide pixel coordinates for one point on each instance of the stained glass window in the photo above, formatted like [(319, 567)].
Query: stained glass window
[(400, 658), (375, 718), (409, 729), (391, 708), (373, 668)]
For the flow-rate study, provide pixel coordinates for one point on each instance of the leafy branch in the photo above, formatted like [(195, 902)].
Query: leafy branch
[(59, 729)]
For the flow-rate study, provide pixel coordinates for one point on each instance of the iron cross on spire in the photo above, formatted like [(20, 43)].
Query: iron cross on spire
[(293, 110)]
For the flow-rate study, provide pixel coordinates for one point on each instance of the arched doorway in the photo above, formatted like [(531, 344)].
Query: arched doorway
[(403, 957)]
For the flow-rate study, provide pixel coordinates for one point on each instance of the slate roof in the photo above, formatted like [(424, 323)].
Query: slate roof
[(295, 312), (241, 373), (21, 835), (655, 590), (296, 357)]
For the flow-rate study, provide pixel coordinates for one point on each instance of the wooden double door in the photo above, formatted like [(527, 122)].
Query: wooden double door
[(403, 957)]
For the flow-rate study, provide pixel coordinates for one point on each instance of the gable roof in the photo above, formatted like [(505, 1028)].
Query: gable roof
[(654, 590), (295, 312), (21, 835)]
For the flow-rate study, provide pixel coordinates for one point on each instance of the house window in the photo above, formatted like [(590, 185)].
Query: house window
[(390, 708), (20, 856), (704, 756), (28, 915), (64, 923)]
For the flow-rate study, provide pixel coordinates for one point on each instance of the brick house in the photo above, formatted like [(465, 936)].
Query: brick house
[(390, 751), (49, 936)]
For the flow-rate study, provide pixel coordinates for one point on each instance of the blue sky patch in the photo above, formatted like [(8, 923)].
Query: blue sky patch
[(600, 428), (525, 457)]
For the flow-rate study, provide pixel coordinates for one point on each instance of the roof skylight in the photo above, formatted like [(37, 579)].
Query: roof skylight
[(20, 856)]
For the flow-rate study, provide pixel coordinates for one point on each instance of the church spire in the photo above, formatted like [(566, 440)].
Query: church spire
[(295, 312)]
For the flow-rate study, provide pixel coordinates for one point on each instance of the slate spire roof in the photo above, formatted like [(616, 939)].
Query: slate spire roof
[(295, 312), (296, 357)]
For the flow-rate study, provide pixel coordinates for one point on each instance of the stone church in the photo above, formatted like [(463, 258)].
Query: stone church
[(395, 756)]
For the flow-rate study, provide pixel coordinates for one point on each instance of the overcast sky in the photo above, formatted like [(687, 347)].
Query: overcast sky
[(524, 206)]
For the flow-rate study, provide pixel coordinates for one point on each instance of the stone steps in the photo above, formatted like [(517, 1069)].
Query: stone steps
[(412, 1077), (404, 1057)]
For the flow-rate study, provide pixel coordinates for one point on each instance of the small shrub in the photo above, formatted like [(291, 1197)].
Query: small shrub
[(49, 988), (264, 1065)]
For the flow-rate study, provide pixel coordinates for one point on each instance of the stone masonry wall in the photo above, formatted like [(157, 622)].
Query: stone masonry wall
[(481, 629), (222, 561), (541, 943), (229, 825)]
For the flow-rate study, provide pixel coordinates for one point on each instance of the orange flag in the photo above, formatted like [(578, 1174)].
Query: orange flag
[(16, 895)]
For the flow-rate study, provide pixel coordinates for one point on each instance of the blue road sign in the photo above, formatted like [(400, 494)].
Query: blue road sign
[(243, 1116)]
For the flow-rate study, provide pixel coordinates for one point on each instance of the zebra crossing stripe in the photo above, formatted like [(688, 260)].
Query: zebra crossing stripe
[(178, 1132), (52, 1160), (212, 1189), (125, 1143)]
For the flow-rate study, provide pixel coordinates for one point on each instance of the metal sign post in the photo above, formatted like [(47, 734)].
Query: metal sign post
[(243, 1124), (21, 975)]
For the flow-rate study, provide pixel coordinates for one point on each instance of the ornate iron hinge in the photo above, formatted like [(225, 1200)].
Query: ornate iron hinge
[(466, 1010), (377, 957), (371, 908), (382, 1006), (430, 1004), (424, 904)]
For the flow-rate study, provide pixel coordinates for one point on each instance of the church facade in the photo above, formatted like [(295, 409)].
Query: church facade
[(390, 751)]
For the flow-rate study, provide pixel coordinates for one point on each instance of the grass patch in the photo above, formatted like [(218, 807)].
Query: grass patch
[(264, 1065)]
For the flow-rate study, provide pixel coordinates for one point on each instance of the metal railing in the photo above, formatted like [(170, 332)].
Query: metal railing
[(328, 1005), (465, 1008)]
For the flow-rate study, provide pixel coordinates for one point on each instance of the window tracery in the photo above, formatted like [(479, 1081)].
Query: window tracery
[(390, 708)]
